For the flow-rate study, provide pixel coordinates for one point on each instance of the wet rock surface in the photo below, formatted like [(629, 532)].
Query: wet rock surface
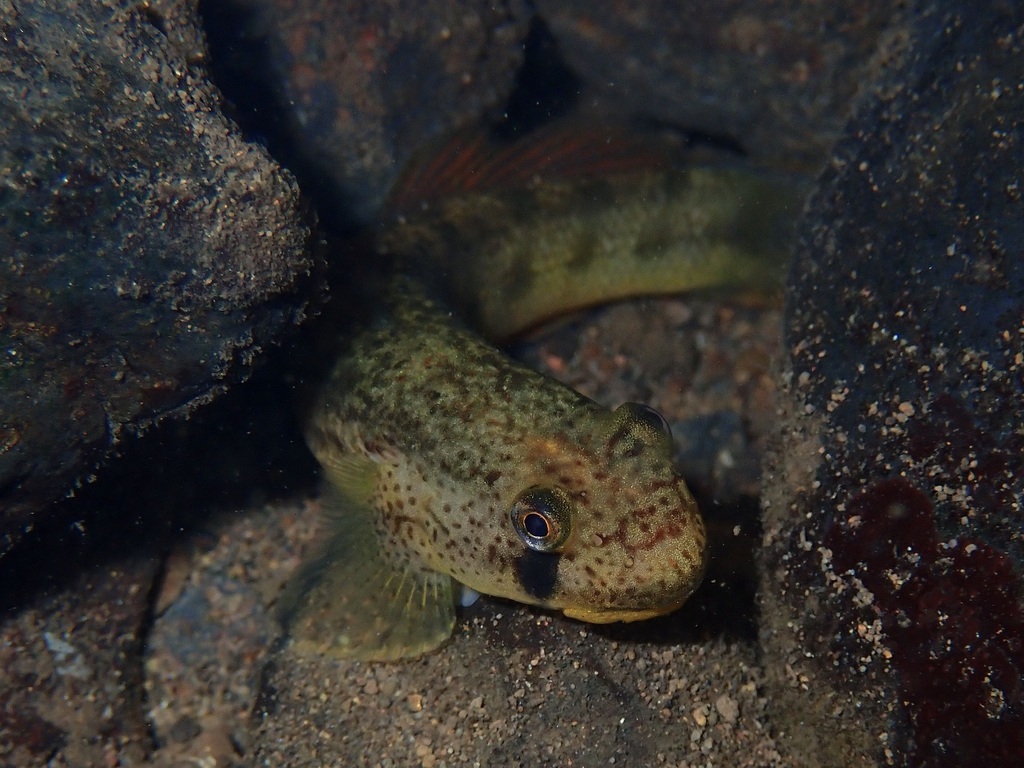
[(359, 87), (892, 571), (776, 80), (148, 253)]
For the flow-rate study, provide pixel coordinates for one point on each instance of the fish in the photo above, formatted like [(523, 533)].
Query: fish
[(452, 470)]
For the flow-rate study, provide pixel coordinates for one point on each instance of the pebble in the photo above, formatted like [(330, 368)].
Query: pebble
[(728, 708)]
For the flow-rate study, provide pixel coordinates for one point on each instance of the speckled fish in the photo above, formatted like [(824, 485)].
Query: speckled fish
[(454, 470)]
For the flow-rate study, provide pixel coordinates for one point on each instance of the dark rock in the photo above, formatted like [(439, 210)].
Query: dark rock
[(774, 79), (148, 254), (891, 594), (353, 89)]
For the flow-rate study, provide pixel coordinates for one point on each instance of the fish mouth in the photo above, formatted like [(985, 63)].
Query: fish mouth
[(610, 615)]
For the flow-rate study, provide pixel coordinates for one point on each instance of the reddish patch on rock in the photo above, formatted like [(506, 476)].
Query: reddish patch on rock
[(951, 612)]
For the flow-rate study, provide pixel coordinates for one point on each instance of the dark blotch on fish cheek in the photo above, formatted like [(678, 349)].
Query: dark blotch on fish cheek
[(538, 573)]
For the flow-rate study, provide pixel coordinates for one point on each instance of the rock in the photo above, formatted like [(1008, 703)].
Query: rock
[(891, 581), (358, 87), (775, 79), (148, 254)]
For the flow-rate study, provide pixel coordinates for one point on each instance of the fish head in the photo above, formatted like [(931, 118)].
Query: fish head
[(603, 528)]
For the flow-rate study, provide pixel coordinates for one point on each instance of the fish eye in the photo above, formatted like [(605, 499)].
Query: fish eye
[(542, 518)]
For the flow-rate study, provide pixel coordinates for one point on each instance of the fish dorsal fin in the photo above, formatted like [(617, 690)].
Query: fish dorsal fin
[(357, 600), (471, 160)]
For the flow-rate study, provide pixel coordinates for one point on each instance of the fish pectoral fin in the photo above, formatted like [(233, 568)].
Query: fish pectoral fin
[(351, 478), (364, 610), (355, 601)]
